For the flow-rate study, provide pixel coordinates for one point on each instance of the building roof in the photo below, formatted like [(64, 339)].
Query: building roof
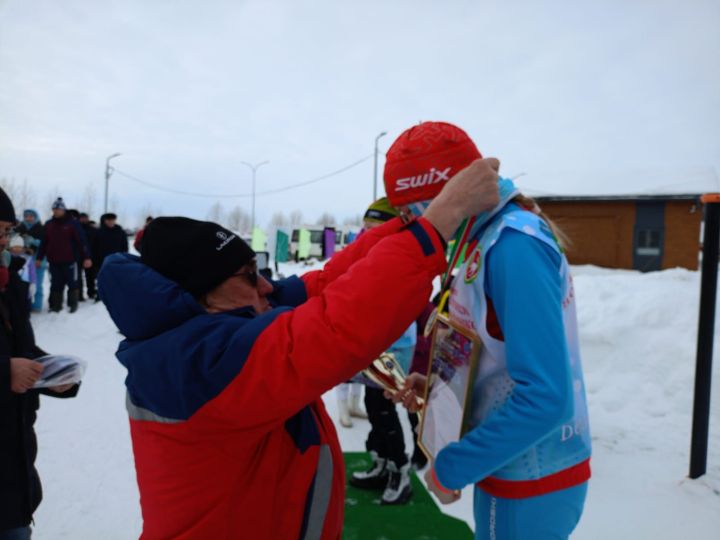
[(628, 185)]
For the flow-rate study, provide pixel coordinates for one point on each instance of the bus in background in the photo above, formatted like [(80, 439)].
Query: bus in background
[(317, 246), (316, 243)]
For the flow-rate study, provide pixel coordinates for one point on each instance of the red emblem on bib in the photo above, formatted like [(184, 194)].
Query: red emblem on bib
[(473, 266)]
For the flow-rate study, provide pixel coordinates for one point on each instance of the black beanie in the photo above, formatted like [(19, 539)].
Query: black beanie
[(197, 255), (7, 211)]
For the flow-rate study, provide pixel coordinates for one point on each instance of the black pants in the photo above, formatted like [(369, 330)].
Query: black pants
[(386, 435), (90, 274), (63, 274)]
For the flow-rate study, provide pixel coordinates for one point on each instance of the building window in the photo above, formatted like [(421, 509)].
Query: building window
[(648, 242)]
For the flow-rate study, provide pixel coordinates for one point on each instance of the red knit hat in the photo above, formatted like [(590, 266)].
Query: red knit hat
[(423, 158)]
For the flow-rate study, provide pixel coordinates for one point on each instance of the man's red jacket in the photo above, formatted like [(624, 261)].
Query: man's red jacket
[(230, 435)]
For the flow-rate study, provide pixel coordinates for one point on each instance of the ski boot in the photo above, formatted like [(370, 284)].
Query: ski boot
[(398, 489), (55, 301), (344, 413), (356, 409), (376, 477), (73, 296)]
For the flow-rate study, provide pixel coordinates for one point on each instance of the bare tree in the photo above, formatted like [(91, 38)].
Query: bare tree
[(26, 197), (50, 197), (239, 220), (20, 193), (87, 202), (9, 186), (216, 213), (353, 221), (326, 220), (278, 220), (116, 208), (147, 210), (296, 218)]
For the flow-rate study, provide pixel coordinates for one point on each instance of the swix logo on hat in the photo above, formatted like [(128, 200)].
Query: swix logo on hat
[(432, 177), (423, 158)]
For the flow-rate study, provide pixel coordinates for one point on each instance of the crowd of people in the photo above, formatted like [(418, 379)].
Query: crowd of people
[(71, 248), (226, 369)]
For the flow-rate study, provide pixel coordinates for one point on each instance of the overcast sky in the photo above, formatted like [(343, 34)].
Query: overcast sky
[(186, 91)]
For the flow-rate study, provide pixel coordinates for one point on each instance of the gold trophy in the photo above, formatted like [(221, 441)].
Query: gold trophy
[(386, 372)]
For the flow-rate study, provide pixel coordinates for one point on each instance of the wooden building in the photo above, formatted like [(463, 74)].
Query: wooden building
[(652, 223), (652, 233)]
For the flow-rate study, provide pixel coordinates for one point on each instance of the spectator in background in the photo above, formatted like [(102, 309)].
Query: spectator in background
[(90, 231), (20, 491), (28, 272), (110, 238), (75, 215), (63, 244), (32, 231), (137, 244)]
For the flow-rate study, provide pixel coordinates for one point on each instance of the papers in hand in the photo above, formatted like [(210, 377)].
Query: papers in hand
[(59, 369)]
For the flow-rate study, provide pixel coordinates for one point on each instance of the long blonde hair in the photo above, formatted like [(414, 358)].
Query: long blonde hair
[(528, 203)]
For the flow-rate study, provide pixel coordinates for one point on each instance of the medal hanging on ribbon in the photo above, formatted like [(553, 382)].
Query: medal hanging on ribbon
[(459, 245)]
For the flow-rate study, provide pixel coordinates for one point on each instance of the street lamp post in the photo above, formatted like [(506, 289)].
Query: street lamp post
[(108, 173), (254, 169), (375, 167)]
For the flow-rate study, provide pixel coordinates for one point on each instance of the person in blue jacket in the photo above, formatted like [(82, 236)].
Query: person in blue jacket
[(527, 451), (32, 230)]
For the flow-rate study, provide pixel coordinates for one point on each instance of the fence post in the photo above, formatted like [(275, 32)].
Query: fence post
[(706, 334)]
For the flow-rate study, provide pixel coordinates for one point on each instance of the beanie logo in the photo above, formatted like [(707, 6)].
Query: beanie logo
[(432, 177), (225, 240)]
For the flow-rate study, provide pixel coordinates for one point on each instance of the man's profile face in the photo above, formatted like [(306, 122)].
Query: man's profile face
[(110, 223), (246, 288)]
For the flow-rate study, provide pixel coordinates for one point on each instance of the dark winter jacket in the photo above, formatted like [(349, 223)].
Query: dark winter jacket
[(20, 491), (108, 240), (36, 231), (90, 232), (64, 241), (230, 434)]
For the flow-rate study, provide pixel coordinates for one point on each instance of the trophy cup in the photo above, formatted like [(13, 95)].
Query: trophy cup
[(386, 372)]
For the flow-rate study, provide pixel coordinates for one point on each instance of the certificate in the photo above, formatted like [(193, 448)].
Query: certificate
[(454, 360)]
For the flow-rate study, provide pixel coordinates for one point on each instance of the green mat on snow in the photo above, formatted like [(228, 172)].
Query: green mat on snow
[(419, 519)]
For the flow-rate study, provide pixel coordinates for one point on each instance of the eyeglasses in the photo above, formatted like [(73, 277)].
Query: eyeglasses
[(251, 274)]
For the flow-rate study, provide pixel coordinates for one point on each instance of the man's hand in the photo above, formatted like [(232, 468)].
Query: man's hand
[(23, 374), (470, 192), (87, 263), (38, 263), (414, 387), (445, 496)]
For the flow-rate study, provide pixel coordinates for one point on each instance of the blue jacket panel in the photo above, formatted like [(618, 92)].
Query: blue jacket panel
[(179, 356)]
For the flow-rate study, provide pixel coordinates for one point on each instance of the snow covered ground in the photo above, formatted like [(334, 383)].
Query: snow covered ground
[(638, 336)]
